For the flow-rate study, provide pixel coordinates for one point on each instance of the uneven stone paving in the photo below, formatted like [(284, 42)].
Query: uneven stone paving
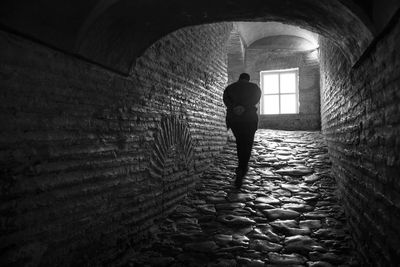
[(285, 214)]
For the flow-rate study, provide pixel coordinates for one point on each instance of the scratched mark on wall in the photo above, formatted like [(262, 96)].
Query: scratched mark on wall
[(172, 161)]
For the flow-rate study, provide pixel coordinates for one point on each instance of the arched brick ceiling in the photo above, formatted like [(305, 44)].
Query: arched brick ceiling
[(253, 31), (115, 32), (283, 43), (235, 42)]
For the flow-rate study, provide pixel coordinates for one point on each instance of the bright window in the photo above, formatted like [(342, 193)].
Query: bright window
[(279, 91)]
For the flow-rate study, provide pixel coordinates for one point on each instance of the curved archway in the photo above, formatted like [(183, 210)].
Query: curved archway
[(284, 42), (236, 55), (254, 31), (126, 29), (115, 33)]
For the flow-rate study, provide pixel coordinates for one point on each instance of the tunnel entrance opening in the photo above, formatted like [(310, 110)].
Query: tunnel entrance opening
[(259, 48)]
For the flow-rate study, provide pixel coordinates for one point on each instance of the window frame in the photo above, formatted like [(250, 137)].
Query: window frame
[(296, 93)]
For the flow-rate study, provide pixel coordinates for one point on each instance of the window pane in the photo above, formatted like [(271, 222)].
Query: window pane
[(288, 82), (271, 83), (271, 104), (288, 104)]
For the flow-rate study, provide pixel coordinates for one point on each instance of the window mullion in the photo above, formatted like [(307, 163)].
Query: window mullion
[(297, 91), (279, 92), (262, 95)]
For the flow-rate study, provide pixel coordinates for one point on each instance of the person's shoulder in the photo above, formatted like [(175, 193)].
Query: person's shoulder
[(254, 85), (232, 85)]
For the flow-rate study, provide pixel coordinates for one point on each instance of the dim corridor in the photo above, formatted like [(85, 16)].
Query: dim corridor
[(286, 212)]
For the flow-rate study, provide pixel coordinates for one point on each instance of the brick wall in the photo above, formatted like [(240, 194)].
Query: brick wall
[(360, 119), (235, 56), (89, 157), (258, 60)]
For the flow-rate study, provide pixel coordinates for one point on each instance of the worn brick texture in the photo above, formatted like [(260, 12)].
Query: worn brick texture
[(258, 60), (361, 122), (236, 55), (89, 158)]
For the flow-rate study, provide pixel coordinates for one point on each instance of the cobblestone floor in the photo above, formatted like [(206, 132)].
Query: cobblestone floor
[(285, 214)]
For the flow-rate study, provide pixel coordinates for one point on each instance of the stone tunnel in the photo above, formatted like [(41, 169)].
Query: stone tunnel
[(112, 112)]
